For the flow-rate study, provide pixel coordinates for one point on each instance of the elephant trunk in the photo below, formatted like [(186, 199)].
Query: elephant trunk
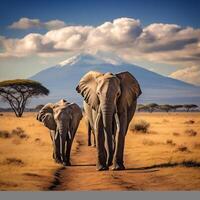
[(107, 118), (64, 137)]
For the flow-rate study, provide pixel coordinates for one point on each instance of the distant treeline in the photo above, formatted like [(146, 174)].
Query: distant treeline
[(153, 107)]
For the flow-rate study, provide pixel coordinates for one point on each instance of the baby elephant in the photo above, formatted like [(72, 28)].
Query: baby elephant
[(62, 119)]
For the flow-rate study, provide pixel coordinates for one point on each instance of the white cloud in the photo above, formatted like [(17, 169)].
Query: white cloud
[(26, 23), (125, 37), (189, 74)]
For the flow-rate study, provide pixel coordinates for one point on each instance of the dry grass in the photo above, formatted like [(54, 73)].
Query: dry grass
[(182, 148), (13, 161), (141, 126), (20, 154), (19, 132), (171, 150), (5, 134), (170, 142), (176, 134), (190, 121), (196, 145), (190, 132)]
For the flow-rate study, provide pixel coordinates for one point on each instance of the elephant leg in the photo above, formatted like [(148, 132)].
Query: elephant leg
[(109, 148), (119, 146), (101, 151), (63, 144), (57, 148), (68, 151), (89, 134), (94, 144), (52, 135)]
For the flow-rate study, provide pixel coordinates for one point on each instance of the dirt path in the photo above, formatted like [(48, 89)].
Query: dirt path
[(82, 175)]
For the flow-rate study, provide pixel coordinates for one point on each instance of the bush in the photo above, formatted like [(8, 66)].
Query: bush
[(170, 142), (148, 142), (19, 132), (13, 161), (4, 134), (182, 148), (190, 122), (190, 132), (176, 134), (141, 126)]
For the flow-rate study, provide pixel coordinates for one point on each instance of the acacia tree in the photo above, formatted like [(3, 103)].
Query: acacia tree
[(166, 107), (188, 107), (17, 92), (175, 107), (151, 107), (140, 107)]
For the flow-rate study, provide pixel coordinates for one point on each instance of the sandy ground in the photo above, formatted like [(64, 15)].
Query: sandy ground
[(166, 158)]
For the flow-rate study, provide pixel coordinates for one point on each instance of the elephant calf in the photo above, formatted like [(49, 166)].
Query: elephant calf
[(62, 119)]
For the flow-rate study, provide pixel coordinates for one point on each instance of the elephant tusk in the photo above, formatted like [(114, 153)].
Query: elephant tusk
[(97, 120), (65, 149), (69, 134), (117, 123), (56, 135)]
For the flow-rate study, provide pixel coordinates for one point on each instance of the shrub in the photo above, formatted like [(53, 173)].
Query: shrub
[(190, 132), (176, 134), (148, 142), (19, 132), (170, 142), (13, 161), (182, 148), (4, 134), (190, 122), (141, 126)]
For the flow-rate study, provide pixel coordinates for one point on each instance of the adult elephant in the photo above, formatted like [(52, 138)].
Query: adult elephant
[(109, 103), (62, 119)]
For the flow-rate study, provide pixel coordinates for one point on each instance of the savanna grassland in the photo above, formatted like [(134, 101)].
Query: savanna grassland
[(162, 153)]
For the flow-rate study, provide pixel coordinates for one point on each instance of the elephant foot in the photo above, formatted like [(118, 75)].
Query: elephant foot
[(94, 145), (110, 164), (89, 144), (102, 168), (66, 163), (58, 161), (118, 167)]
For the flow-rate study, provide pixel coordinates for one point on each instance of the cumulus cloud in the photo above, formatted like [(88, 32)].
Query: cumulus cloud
[(125, 37), (26, 23), (188, 74)]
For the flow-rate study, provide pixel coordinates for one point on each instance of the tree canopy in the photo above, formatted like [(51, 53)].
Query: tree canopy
[(17, 92)]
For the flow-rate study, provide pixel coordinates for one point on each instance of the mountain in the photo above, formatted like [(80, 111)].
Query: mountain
[(63, 78)]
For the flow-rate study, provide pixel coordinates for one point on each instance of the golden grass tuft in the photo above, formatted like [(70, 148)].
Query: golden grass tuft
[(13, 161), (141, 126), (182, 148), (190, 132)]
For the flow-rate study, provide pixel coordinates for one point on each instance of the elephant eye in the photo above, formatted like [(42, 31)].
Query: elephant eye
[(98, 93)]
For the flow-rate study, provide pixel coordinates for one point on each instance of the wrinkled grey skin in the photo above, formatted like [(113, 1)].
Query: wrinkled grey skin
[(90, 132), (62, 119), (109, 104)]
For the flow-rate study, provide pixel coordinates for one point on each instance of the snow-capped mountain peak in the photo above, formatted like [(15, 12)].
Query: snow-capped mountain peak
[(91, 60)]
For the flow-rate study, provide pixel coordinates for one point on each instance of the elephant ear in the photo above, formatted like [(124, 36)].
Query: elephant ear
[(45, 115), (76, 116), (87, 88), (130, 90)]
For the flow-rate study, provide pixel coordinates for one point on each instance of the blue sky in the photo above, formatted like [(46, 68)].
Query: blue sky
[(95, 13)]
